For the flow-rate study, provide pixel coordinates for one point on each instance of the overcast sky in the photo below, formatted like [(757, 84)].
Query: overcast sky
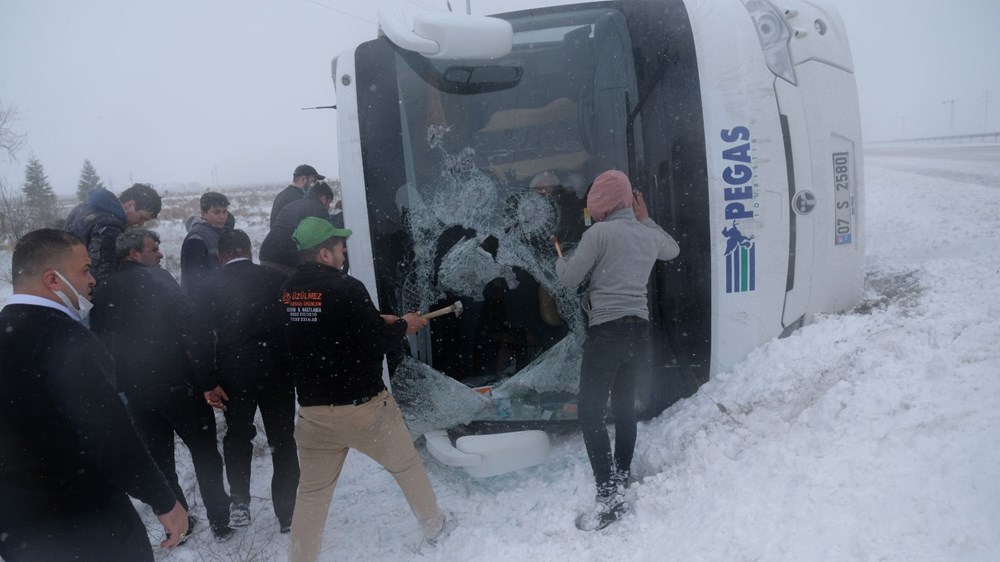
[(210, 91)]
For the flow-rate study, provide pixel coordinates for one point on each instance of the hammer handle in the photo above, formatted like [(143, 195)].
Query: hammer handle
[(438, 312)]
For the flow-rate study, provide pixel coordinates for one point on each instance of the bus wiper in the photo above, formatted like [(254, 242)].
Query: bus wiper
[(667, 59)]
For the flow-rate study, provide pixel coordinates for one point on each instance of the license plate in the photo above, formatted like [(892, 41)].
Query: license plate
[(844, 215)]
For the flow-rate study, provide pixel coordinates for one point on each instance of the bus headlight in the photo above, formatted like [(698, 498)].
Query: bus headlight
[(774, 37)]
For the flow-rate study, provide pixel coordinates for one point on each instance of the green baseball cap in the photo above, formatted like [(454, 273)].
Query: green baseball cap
[(313, 231)]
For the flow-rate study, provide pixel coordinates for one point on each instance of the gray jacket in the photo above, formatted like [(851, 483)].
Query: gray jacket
[(619, 252)]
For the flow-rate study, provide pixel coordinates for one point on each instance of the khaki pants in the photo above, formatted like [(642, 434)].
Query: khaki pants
[(324, 435)]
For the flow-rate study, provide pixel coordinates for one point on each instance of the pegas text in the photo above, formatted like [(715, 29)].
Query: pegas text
[(738, 174)]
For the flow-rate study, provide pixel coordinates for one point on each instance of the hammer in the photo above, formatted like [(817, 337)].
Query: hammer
[(456, 307)]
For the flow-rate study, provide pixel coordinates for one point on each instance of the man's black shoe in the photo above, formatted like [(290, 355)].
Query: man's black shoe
[(222, 533), (239, 515)]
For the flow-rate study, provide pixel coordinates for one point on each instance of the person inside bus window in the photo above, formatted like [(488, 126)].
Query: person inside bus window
[(619, 252), (564, 197)]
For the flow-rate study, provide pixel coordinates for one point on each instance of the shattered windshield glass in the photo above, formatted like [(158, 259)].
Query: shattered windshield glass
[(493, 170)]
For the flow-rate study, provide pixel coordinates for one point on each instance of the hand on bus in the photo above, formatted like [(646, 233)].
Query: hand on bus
[(639, 206)]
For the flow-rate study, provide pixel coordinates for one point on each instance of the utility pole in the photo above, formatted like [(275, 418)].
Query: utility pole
[(986, 111), (951, 121)]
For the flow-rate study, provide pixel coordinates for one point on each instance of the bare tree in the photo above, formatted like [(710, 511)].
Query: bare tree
[(15, 219), (10, 141)]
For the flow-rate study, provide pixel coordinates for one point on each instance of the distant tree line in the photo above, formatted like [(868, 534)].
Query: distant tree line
[(36, 206)]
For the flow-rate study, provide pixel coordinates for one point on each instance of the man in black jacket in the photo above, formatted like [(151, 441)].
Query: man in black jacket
[(302, 178), (337, 340), (200, 250), (148, 337), (101, 218), (243, 364), (278, 250), (68, 452)]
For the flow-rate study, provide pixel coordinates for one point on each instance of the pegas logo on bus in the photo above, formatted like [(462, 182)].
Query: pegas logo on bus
[(741, 250)]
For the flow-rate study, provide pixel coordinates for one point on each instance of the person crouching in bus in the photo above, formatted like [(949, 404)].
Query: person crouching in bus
[(619, 252)]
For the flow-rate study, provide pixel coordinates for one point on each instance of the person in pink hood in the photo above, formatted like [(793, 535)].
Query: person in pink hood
[(618, 252)]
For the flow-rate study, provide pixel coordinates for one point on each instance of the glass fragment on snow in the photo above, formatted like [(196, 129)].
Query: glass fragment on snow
[(430, 399)]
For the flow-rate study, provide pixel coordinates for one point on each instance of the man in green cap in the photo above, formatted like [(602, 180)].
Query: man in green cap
[(337, 339)]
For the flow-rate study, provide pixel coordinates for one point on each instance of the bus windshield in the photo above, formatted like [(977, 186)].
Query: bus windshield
[(498, 156)]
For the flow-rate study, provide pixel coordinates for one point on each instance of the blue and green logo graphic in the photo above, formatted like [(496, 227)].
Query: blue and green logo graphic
[(741, 261)]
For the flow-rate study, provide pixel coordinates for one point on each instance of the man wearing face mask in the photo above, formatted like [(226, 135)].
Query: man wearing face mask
[(303, 178), (69, 453)]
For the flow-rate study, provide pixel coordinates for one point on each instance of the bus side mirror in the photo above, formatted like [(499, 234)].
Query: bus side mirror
[(449, 36)]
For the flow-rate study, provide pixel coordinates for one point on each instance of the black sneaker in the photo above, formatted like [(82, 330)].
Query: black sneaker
[(284, 528), (222, 533), (607, 509), (621, 479), (239, 515)]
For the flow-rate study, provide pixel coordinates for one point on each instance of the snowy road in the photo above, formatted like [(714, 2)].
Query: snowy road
[(973, 164)]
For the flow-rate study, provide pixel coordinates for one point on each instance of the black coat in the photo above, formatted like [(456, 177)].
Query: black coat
[(98, 221), (239, 329), (278, 246), (137, 318), (199, 253), (336, 336), (286, 196), (67, 443)]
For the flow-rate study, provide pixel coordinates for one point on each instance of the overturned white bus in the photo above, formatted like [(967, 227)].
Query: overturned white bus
[(465, 142)]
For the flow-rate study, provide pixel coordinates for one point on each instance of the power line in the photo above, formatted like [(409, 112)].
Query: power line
[(341, 12)]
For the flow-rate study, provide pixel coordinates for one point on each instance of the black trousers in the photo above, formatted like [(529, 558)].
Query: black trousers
[(615, 352), (106, 530), (157, 416), (276, 401)]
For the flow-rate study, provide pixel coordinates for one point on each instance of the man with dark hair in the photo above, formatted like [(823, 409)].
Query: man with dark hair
[(68, 452), (278, 249), (148, 336), (243, 365), (143, 246), (200, 250), (140, 245), (303, 177), (101, 218), (337, 340)]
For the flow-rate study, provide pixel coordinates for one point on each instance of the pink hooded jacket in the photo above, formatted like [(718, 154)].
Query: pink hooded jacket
[(611, 191)]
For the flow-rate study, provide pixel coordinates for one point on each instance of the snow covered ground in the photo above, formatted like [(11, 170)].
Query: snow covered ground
[(871, 435)]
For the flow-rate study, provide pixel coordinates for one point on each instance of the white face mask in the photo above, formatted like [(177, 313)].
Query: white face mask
[(85, 305)]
